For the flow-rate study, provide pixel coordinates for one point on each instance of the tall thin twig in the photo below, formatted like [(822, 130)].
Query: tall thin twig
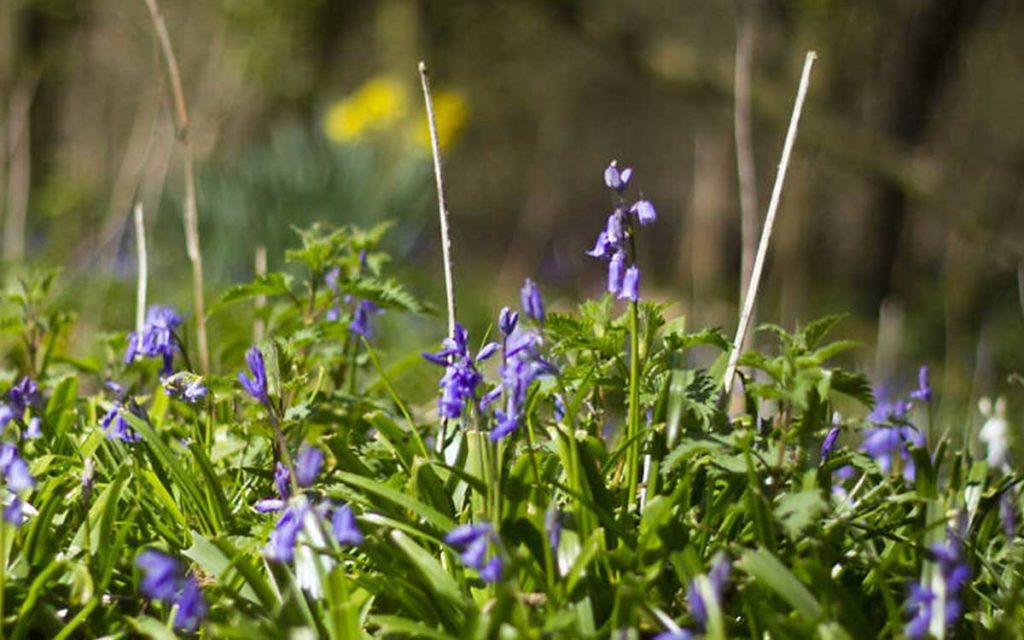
[(442, 207), (769, 222), (745, 167), (195, 256), (258, 327), (143, 276), (19, 177)]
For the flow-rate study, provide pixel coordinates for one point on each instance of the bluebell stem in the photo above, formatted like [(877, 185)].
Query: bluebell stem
[(507, 321), (344, 527), (256, 385), (532, 303), (617, 179), (924, 390), (473, 542), (943, 592), (156, 340), (307, 465)]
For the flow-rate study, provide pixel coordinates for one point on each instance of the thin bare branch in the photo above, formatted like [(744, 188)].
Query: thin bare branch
[(769, 223), (258, 327), (143, 271), (195, 256)]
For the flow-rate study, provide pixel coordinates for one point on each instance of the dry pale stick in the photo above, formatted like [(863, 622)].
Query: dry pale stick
[(143, 276), (769, 222), (258, 327)]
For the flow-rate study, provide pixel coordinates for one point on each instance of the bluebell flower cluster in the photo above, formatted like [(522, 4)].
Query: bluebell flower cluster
[(890, 439), (156, 339), (461, 377), (360, 324), (532, 303), (477, 546), (164, 581), (938, 604), (717, 578), (185, 386), (300, 514), (613, 243), (115, 424), (307, 465), (255, 383), (16, 478), (21, 397)]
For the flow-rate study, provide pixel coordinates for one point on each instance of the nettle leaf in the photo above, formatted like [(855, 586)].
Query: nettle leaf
[(270, 285), (815, 331), (854, 385), (387, 293), (797, 511), (712, 337)]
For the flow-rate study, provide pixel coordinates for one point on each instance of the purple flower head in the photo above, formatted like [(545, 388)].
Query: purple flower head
[(829, 443), (924, 390), (280, 545), (307, 465), (160, 575), (24, 393), (6, 415), (943, 592), (616, 271), (460, 379), (256, 385), (630, 285), (718, 577), (13, 512), (487, 351), (185, 386), (522, 365), (889, 444), (617, 179), (116, 426), (34, 429), (192, 606), (553, 525), (474, 542), (644, 211), (680, 634), (491, 571), (282, 481), (360, 324), (464, 534), (603, 247), (888, 410), (614, 230), (559, 407), (156, 339), (507, 321), (1008, 514), (269, 505), (533, 305), (344, 527)]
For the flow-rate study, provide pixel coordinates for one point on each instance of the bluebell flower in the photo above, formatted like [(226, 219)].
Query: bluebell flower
[(269, 505), (13, 512), (280, 546), (718, 577), (191, 605), (307, 465), (6, 415), (34, 429), (521, 365), (889, 445), (532, 303), (256, 384), (630, 285), (23, 394), (679, 634), (617, 179), (1008, 514), (616, 271), (943, 592), (282, 480), (507, 321), (156, 340), (474, 542), (185, 386), (559, 407), (829, 443), (116, 426), (344, 527), (491, 571), (360, 324), (464, 534), (644, 211), (553, 526), (924, 390), (164, 581), (461, 378)]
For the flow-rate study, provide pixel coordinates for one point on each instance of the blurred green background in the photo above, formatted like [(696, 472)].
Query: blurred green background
[(904, 203)]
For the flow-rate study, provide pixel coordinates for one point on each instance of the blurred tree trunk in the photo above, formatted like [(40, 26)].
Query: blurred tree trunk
[(921, 70), (713, 186)]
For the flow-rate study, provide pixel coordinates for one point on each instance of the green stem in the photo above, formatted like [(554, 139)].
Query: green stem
[(3, 572), (633, 424)]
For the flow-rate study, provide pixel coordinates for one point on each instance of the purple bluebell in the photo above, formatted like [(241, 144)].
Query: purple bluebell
[(34, 428), (507, 321), (307, 464), (256, 384), (644, 211), (344, 527), (191, 605), (829, 443), (679, 634), (631, 284), (952, 574), (6, 415), (156, 340), (282, 480), (532, 303), (23, 394), (474, 542), (461, 378), (269, 505), (13, 512), (1008, 514), (891, 445), (617, 179), (487, 351), (603, 247), (521, 365), (559, 407), (116, 426), (464, 534), (553, 526), (161, 575), (718, 577), (280, 545), (490, 572), (924, 390), (616, 271), (185, 386), (888, 411), (360, 324)]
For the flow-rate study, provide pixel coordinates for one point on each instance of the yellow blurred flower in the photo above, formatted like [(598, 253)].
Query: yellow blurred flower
[(450, 113), (377, 105)]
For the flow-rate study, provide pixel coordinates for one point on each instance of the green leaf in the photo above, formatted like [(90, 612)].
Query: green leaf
[(269, 285), (434, 517), (437, 580), (796, 511), (764, 567)]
